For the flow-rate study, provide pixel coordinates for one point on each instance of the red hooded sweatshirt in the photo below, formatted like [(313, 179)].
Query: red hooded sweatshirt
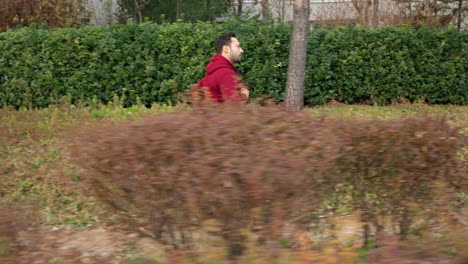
[(222, 81)]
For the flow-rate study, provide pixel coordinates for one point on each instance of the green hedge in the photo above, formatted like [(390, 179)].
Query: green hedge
[(157, 62)]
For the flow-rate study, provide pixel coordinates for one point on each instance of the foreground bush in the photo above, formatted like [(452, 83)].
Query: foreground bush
[(397, 167), (223, 165), (250, 167), (157, 63)]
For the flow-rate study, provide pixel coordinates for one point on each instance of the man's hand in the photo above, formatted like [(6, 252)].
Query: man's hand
[(245, 92)]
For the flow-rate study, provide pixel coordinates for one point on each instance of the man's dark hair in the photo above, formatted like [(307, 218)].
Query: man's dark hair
[(223, 40)]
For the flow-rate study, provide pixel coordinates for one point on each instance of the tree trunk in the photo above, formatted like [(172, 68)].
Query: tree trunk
[(435, 12), (283, 9), (367, 5), (375, 14), (178, 10), (208, 7), (240, 4), (460, 11), (265, 9), (298, 56), (138, 12)]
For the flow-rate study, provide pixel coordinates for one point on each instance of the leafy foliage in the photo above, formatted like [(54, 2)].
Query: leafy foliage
[(157, 63)]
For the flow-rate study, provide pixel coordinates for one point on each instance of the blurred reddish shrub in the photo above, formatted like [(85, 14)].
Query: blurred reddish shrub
[(251, 165), (399, 162), (429, 250)]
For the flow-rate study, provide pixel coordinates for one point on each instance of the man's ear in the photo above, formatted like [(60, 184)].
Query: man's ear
[(226, 49)]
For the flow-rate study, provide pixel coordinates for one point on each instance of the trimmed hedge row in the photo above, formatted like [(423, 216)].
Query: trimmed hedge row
[(158, 62)]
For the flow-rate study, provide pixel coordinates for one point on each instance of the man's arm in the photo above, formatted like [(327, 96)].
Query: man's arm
[(231, 88)]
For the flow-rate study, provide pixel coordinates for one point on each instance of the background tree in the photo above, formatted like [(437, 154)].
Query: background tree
[(55, 13), (462, 10), (298, 56), (264, 8), (368, 12), (436, 13), (172, 10), (447, 12), (104, 12)]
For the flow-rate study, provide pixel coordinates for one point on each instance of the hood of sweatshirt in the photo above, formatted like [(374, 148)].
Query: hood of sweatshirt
[(219, 62)]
